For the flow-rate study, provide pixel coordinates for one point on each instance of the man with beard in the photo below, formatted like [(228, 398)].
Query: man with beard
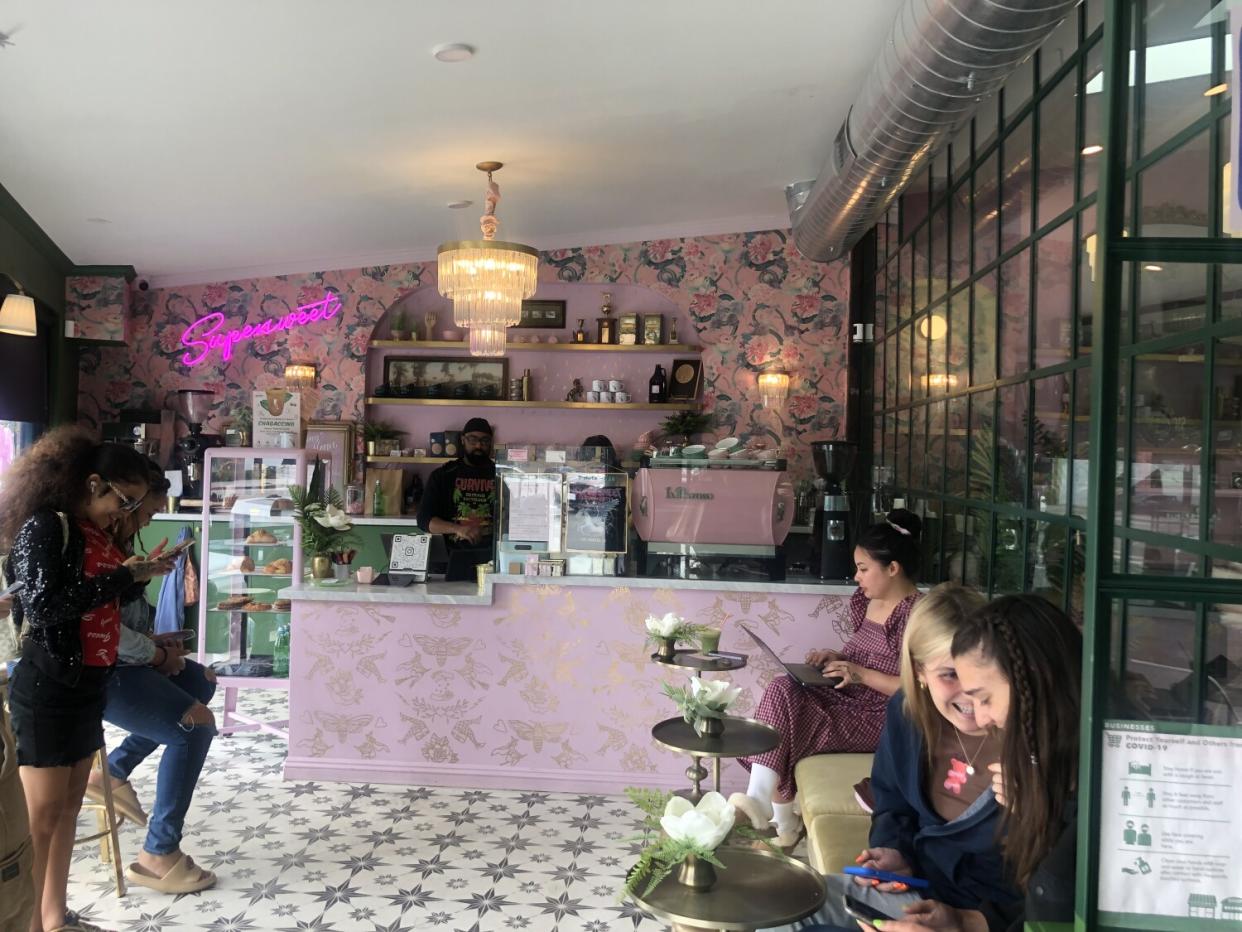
[(460, 501)]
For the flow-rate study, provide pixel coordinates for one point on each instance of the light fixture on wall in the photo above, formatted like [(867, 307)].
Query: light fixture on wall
[(487, 280), (934, 326), (773, 388), (301, 375), (17, 314)]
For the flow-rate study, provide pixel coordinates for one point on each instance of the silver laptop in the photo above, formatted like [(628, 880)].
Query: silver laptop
[(805, 674)]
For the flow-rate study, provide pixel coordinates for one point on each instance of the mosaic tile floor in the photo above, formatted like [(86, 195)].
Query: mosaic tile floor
[(333, 857)]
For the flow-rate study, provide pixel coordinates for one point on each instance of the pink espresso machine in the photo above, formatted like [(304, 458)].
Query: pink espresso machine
[(712, 513)]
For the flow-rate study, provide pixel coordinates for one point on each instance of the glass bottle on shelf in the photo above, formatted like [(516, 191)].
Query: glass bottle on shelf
[(280, 652), (377, 499), (657, 387), (580, 333), (526, 386)]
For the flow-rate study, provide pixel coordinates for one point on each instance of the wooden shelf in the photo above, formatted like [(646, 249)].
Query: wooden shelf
[(410, 460), (587, 405), (541, 347)]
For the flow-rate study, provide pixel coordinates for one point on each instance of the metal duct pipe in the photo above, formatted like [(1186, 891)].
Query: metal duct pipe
[(942, 58)]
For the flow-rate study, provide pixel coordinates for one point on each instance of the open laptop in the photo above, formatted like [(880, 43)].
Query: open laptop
[(805, 674)]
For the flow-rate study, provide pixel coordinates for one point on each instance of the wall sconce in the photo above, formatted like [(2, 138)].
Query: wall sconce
[(773, 388), (301, 375), (17, 314), (934, 326)]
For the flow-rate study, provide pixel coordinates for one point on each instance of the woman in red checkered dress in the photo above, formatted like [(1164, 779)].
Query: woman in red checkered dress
[(850, 716)]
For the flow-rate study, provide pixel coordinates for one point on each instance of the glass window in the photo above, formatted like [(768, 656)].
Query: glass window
[(918, 448), (1225, 487), (1008, 564), (956, 448), (960, 153), (1172, 298), (1019, 87), (918, 365), (1057, 154), (1050, 462), (1054, 296), (983, 331), (1092, 149), (905, 270), (1015, 328), (1176, 68), (958, 339), (1011, 459), (939, 251), (982, 445), (977, 559), (936, 419), (987, 210), (903, 365), (1048, 556), (1016, 186), (1230, 291), (922, 269), (1174, 191), (914, 201), (986, 123), (1088, 266), (1082, 441), (1159, 648)]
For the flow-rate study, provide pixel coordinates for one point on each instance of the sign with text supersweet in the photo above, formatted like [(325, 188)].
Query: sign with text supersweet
[(207, 334)]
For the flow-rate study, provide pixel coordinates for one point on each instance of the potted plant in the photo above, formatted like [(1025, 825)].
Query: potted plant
[(379, 437), (400, 327), (237, 434), (704, 703), (326, 528), (667, 631), (685, 424)]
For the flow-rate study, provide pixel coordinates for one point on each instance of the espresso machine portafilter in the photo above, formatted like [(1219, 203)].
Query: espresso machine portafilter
[(832, 548)]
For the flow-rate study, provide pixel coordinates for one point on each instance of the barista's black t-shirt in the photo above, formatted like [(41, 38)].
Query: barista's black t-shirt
[(461, 493)]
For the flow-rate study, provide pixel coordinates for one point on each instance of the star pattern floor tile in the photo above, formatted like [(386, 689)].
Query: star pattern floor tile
[(337, 857)]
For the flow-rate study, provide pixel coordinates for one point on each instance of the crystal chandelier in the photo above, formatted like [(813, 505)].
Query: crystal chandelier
[(487, 280), (300, 375)]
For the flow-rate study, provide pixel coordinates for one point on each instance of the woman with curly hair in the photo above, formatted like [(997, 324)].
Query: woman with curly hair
[(59, 501)]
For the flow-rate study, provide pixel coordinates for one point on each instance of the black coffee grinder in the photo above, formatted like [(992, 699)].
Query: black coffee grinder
[(193, 405), (832, 553)]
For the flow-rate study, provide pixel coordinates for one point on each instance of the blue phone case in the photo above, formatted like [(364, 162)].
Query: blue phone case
[(912, 882)]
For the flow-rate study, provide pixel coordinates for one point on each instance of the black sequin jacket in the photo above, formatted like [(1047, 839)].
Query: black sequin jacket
[(57, 593)]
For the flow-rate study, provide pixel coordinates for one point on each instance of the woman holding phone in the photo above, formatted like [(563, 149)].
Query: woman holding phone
[(1020, 660), (58, 502), (159, 696)]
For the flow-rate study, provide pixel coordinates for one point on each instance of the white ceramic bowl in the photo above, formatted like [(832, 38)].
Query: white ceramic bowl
[(727, 444), (717, 454)]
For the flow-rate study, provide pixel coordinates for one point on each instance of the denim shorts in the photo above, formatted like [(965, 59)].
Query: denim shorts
[(56, 725)]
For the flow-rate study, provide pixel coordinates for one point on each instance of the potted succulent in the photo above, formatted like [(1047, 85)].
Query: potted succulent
[(703, 704), (326, 528), (380, 437), (237, 433), (400, 328), (668, 630), (685, 424)]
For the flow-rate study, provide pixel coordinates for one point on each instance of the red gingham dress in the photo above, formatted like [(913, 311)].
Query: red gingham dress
[(819, 719)]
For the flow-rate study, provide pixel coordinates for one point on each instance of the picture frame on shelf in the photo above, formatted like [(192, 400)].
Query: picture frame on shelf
[(542, 315), (685, 379), (449, 377), (333, 442)]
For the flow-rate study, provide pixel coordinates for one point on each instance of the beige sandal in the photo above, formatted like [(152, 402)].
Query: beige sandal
[(124, 801), (183, 877)]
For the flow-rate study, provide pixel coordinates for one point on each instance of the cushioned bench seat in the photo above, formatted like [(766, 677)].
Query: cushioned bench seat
[(836, 826)]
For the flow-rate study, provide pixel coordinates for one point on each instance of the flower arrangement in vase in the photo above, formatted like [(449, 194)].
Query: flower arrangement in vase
[(668, 630), (703, 704), (326, 528)]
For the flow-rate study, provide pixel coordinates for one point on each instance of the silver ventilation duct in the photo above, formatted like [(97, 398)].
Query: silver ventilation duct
[(942, 58)]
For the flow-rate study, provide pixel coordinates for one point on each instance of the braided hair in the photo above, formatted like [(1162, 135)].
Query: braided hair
[(1038, 650)]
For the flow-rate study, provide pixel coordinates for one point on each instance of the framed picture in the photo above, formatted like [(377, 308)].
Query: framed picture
[(543, 315), (333, 441), (460, 377), (685, 379)]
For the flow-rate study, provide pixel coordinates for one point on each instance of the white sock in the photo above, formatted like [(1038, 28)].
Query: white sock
[(785, 818), (763, 781)]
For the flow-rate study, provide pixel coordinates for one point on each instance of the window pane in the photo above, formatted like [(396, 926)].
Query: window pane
[(890, 371), (1011, 450), (987, 209), (1177, 65), (936, 445), (959, 341), (982, 445), (1008, 574), (918, 367), (1090, 160), (983, 331), (1088, 261), (903, 365), (960, 152), (918, 448), (1050, 456), (1016, 186), (1230, 291), (956, 447), (902, 448), (959, 235), (1054, 278), (1058, 48), (986, 122), (1047, 553), (1015, 335), (914, 202), (905, 283), (977, 558), (1082, 440), (1159, 647), (1172, 298), (1226, 437), (939, 251), (937, 351), (921, 269), (1019, 86), (1174, 191), (1057, 150)]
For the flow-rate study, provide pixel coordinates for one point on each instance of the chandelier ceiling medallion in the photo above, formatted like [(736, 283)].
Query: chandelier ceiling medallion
[(488, 279)]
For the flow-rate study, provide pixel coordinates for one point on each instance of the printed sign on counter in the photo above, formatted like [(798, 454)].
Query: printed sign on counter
[(277, 418), (1169, 826)]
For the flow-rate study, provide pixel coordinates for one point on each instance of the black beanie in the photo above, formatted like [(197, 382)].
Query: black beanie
[(476, 425)]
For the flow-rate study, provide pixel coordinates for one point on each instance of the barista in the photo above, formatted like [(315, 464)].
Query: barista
[(460, 498)]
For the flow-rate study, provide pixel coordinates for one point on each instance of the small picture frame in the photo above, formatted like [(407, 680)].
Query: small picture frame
[(685, 379), (333, 441), (542, 315), (445, 377)]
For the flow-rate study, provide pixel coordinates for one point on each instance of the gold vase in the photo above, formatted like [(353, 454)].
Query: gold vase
[(696, 873), (321, 566), (712, 727), (668, 649)]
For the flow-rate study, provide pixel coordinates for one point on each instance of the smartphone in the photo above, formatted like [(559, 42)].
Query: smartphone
[(176, 550), (13, 589), (185, 634), (914, 883), (860, 910)]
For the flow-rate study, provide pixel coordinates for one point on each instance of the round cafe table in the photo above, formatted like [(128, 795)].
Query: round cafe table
[(742, 737), (756, 890), (689, 658)]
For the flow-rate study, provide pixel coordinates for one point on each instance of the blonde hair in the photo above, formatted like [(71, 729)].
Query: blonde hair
[(934, 621)]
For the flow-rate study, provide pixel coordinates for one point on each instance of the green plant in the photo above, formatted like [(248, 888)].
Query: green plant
[(242, 417), (380, 430), (703, 699), (326, 529), (672, 626), (399, 322), (685, 424)]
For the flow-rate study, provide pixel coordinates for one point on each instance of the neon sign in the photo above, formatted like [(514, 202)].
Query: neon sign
[(205, 334)]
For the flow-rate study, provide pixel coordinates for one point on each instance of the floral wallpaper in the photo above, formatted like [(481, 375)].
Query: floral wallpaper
[(755, 301), (98, 305)]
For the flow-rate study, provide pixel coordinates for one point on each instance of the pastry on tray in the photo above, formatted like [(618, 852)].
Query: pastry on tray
[(241, 565), (279, 567), (281, 605), (257, 607), (261, 536), (233, 602)]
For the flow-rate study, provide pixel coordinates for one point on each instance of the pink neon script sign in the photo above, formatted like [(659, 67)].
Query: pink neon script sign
[(205, 334)]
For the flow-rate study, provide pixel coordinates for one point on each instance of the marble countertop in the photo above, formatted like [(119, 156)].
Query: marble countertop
[(793, 586), (430, 593)]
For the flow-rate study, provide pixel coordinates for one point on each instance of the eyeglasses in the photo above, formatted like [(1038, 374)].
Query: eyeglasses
[(128, 505), (478, 439)]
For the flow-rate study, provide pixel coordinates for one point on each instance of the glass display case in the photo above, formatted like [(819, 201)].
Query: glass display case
[(252, 549)]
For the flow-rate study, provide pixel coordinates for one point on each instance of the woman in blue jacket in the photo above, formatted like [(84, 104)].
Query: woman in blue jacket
[(934, 816)]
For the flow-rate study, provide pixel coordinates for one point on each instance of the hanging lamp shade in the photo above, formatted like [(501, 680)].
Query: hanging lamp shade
[(17, 316), (487, 279)]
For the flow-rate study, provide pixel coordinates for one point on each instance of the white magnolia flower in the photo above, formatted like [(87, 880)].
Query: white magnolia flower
[(715, 694), (706, 824), (664, 627), (333, 517)]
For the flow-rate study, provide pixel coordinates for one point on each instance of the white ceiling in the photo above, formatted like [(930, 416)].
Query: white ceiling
[(244, 137)]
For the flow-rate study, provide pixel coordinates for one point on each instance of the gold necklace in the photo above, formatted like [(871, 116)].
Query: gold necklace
[(970, 761)]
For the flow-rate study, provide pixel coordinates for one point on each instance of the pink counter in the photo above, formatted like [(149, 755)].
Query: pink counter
[(541, 687)]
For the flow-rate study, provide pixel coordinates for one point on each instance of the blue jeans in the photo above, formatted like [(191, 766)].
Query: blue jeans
[(150, 706)]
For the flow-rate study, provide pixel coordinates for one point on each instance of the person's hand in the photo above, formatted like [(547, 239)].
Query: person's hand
[(172, 661), (470, 532), (883, 859), (851, 673), (157, 550), (145, 570), (820, 657), (928, 914), (998, 782)]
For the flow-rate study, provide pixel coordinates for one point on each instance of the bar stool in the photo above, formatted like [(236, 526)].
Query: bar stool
[(106, 820)]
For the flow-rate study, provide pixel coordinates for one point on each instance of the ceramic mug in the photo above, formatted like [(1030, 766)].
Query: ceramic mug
[(599, 385), (593, 397), (366, 575), (605, 397), (621, 397), (615, 386)]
